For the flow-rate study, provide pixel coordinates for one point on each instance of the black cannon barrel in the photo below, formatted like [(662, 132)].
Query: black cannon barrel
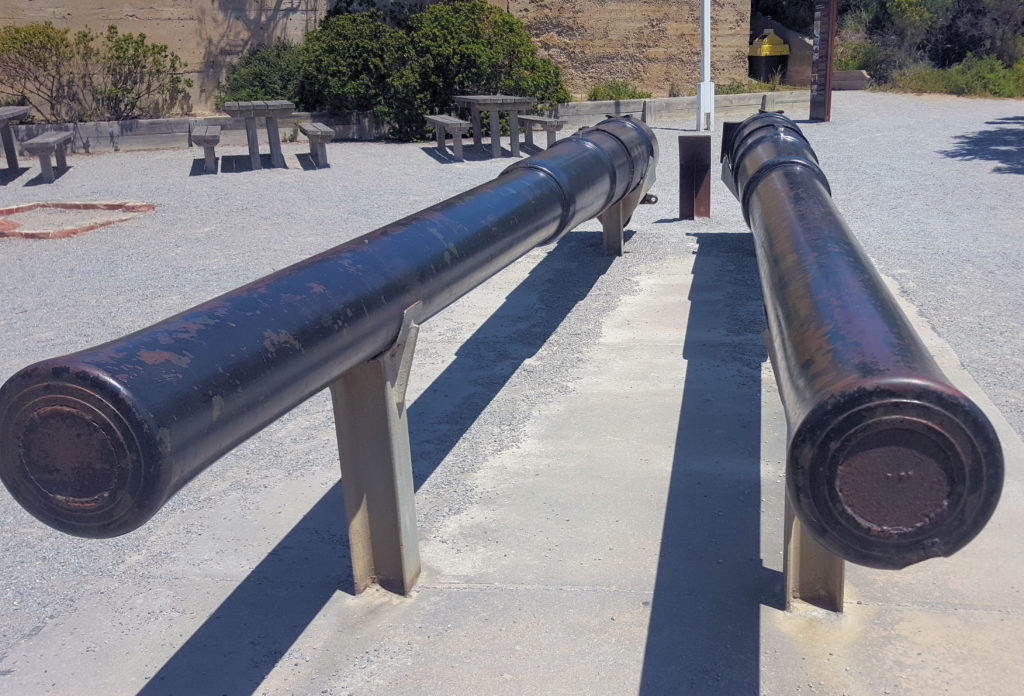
[(888, 463), (95, 442)]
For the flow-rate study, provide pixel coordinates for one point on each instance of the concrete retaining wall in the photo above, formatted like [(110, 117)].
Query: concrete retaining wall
[(578, 114)]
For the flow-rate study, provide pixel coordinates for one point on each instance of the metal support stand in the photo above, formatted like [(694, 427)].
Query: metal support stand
[(812, 573), (376, 465), (613, 223)]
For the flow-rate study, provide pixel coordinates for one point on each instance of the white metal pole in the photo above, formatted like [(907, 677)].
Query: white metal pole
[(706, 88)]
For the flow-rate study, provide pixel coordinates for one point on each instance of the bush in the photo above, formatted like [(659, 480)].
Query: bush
[(473, 47), (616, 89), (137, 79), (265, 72), (358, 62), (70, 78), (976, 76), (749, 85)]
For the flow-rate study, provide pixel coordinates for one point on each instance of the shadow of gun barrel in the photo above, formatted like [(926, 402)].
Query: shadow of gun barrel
[(888, 464), (95, 442)]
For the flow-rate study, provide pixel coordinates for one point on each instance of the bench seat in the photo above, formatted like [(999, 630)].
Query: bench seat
[(209, 138), (450, 124), (46, 144), (551, 125), (319, 135)]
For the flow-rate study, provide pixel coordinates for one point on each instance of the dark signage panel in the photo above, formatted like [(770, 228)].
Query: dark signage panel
[(821, 59)]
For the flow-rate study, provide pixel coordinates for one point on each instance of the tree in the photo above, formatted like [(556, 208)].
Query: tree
[(356, 62), (69, 78), (473, 47)]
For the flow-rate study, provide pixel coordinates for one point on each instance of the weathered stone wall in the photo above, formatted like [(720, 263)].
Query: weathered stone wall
[(207, 34), (651, 43), (655, 44)]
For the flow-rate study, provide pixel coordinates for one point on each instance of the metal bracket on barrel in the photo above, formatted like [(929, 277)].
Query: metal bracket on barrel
[(376, 464)]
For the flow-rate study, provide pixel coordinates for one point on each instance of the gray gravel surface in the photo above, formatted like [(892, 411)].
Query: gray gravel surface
[(932, 186)]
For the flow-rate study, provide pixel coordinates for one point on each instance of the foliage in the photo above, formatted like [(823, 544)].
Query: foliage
[(136, 79), (976, 76), (264, 72), (67, 77), (357, 61), (473, 47), (905, 41), (750, 85), (616, 89), (36, 68)]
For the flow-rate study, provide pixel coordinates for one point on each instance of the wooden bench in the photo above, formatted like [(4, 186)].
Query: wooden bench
[(551, 125), (209, 138), (46, 144), (319, 135), (452, 125)]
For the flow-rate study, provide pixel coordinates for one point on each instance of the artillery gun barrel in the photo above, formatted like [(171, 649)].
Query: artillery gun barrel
[(95, 442), (888, 463)]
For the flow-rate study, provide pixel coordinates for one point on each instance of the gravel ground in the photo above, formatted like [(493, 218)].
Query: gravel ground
[(930, 185)]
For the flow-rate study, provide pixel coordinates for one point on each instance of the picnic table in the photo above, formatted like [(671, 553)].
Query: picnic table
[(495, 104), (270, 111), (8, 114)]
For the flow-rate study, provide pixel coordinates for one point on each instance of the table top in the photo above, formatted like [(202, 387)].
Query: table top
[(500, 101), (276, 107), (10, 113)]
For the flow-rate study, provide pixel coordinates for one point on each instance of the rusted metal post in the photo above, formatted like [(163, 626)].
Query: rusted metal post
[(888, 463), (694, 176)]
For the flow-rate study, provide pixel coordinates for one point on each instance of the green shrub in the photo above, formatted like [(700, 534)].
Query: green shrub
[(473, 47), (137, 79), (67, 77), (264, 72), (616, 89), (976, 76), (356, 62)]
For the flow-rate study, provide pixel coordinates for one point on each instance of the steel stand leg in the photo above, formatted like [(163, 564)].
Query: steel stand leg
[(613, 222), (813, 574), (376, 465)]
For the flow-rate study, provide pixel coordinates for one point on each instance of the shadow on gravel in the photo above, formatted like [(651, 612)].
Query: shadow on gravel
[(199, 167), (38, 179), (1003, 145), (238, 646), (307, 163), (704, 635), (234, 164), (470, 153), (9, 175)]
